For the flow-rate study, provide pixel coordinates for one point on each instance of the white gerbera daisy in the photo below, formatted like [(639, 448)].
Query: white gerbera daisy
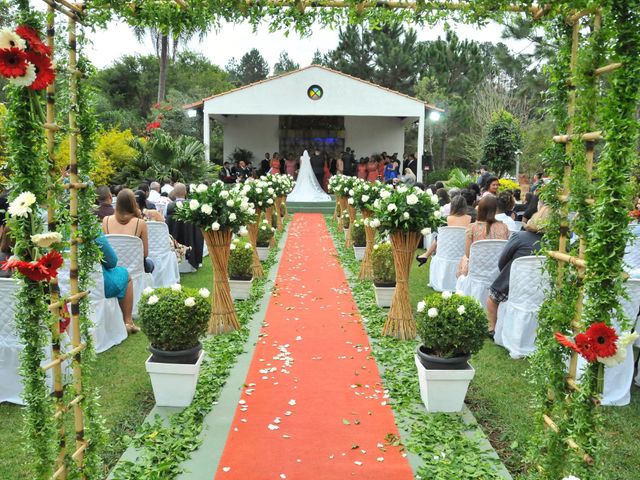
[(10, 39), (21, 205), (27, 79), (45, 240)]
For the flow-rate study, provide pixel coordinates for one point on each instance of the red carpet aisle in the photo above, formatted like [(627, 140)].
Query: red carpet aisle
[(313, 407)]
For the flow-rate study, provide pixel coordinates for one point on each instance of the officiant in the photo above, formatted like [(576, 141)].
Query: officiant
[(317, 162)]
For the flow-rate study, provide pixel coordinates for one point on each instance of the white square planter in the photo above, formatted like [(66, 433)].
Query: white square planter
[(174, 384), (359, 252), (240, 289), (443, 390), (384, 295), (263, 253)]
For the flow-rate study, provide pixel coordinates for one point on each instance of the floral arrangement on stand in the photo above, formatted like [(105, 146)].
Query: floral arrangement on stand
[(25, 61), (364, 196), (335, 187), (219, 213), (261, 195), (265, 234), (268, 211), (404, 212), (347, 185), (282, 186)]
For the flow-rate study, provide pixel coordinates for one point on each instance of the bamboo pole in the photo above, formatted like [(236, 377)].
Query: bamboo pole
[(269, 214), (552, 425), (586, 137), (607, 68), (223, 314), (337, 213), (352, 218), (566, 258), (280, 225), (256, 266), (73, 213), (400, 322), (366, 268)]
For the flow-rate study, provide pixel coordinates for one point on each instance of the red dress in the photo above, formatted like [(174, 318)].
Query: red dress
[(326, 177), (381, 166), (372, 171), (362, 170)]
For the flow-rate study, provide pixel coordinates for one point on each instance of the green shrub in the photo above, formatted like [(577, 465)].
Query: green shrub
[(357, 233), (446, 329), (240, 259), (440, 175), (345, 219), (384, 270), (174, 318), (265, 233)]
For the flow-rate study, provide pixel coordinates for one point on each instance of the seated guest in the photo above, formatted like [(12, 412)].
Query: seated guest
[(167, 187), (115, 190), (227, 175), (185, 233), (105, 202), (152, 215), (408, 179), (243, 171), (117, 283), (145, 188), (475, 188), (505, 205), (390, 171), (154, 192), (127, 220), (520, 208), (470, 197), (492, 186), (486, 227), (446, 209), (439, 184), (521, 244), (443, 196), (458, 218), (6, 247), (532, 208)]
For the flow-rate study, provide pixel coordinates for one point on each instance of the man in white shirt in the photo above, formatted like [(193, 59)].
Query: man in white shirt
[(505, 204), (167, 188), (154, 192)]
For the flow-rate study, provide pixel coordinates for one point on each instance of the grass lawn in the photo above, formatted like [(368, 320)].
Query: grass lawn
[(126, 398), (499, 397)]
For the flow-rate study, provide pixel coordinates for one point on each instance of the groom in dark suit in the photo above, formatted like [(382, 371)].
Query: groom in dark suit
[(316, 165)]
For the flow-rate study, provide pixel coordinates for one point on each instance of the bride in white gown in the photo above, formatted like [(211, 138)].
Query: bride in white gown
[(307, 188)]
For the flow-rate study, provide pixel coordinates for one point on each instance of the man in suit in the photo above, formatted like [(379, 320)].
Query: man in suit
[(411, 163), (316, 165), (226, 174), (265, 164), (347, 163)]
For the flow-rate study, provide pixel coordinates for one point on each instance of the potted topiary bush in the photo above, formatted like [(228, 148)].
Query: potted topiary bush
[(265, 234), (174, 319), (359, 239), (345, 223), (384, 273), (240, 268), (452, 327)]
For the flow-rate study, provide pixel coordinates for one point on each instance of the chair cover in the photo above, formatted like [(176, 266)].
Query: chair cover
[(617, 380), (518, 316), (129, 251), (632, 255), (108, 324), (166, 271), (442, 271), (428, 240), (483, 269)]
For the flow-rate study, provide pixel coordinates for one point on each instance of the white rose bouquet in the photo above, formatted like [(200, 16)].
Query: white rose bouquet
[(407, 209), (259, 192), (366, 193)]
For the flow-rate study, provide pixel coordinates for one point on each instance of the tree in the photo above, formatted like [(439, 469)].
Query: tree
[(251, 68), (395, 58), (354, 54), (284, 64), (501, 142), (318, 58)]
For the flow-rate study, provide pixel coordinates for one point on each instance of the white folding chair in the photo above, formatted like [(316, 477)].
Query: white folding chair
[(130, 253), (483, 269), (518, 316), (166, 272), (108, 327), (518, 225), (632, 257), (442, 271)]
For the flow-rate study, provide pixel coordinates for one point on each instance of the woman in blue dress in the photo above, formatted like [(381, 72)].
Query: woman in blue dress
[(117, 283)]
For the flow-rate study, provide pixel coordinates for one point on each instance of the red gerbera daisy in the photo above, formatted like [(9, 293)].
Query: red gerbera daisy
[(45, 75), (33, 39), (13, 62), (585, 347), (603, 338), (52, 261), (32, 270), (566, 342)]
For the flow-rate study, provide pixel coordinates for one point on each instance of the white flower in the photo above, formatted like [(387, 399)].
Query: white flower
[(176, 287), (402, 189), (459, 292), (461, 309), (206, 209), (621, 350), (570, 477), (21, 205), (247, 246), (232, 217), (434, 199), (412, 199), (192, 187), (446, 294), (230, 203), (376, 203), (350, 201), (179, 204), (351, 192), (45, 240), (147, 290), (270, 191), (194, 204), (391, 207), (270, 201), (425, 231), (432, 312), (428, 192), (437, 214), (375, 223), (421, 306), (365, 198), (201, 188), (406, 215), (204, 293), (251, 211), (244, 205), (10, 39), (190, 302), (258, 190), (27, 79), (263, 228), (215, 226), (153, 299), (232, 246), (627, 339), (224, 194), (376, 246), (384, 194)]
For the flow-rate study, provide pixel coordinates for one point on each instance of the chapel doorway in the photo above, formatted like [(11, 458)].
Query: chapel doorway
[(300, 133)]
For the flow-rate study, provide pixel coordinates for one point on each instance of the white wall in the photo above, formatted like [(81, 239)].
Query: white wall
[(369, 135), (258, 133)]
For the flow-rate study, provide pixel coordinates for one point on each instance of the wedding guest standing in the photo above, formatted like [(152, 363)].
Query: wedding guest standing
[(362, 169), (372, 169), (291, 166), (317, 165)]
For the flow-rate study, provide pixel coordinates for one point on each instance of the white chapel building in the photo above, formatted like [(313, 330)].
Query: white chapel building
[(314, 107)]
